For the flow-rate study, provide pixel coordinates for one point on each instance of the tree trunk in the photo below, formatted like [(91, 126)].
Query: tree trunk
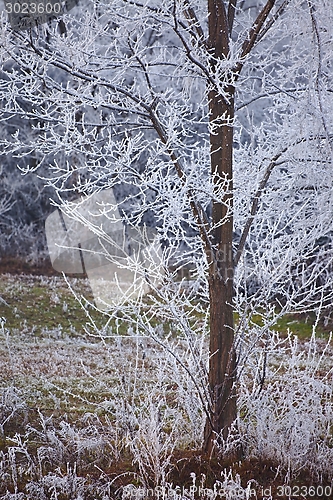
[(222, 363)]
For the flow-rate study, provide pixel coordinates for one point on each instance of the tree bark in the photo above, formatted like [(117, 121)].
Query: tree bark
[(222, 362)]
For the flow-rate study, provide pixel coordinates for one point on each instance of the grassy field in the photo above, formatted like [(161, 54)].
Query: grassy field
[(88, 412)]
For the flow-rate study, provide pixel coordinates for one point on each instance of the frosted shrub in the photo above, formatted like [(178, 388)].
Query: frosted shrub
[(151, 445), (12, 407), (56, 486), (153, 410), (14, 496), (228, 487), (157, 410), (288, 417)]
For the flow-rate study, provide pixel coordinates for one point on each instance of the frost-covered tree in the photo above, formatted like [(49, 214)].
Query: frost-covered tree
[(25, 196), (211, 121)]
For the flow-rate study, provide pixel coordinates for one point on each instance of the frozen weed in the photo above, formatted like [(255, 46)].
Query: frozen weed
[(104, 416), (287, 414), (151, 442), (228, 488), (58, 486), (12, 406)]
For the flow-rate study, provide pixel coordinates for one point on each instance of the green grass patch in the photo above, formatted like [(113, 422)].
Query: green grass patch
[(300, 325), (39, 305), (34, 305)]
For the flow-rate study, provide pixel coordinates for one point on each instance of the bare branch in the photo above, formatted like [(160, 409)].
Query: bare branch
[(231, 14), (189, 50), (254, 206), (274, 18), (255, 201), (267, 94), (199, 213), (192, 17), (249, 43), (319, 70)]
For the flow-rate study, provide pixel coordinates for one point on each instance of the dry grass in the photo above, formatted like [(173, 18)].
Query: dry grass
[(103, 416)]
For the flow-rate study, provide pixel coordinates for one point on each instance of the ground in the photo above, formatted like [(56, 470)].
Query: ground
[(80, 406)]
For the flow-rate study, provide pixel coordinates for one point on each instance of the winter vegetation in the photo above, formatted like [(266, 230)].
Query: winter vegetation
[(98, 413), (208, 124)]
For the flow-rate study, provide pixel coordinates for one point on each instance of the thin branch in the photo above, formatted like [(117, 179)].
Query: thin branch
[(255, 201), (319, 70), (267, 94), (231, 14), (270, 23), (144, 68), (87, 76), (188, 371), (198, 211), (188, 51), (192, 17), (205, 406), (198, 28), (249, 43)]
